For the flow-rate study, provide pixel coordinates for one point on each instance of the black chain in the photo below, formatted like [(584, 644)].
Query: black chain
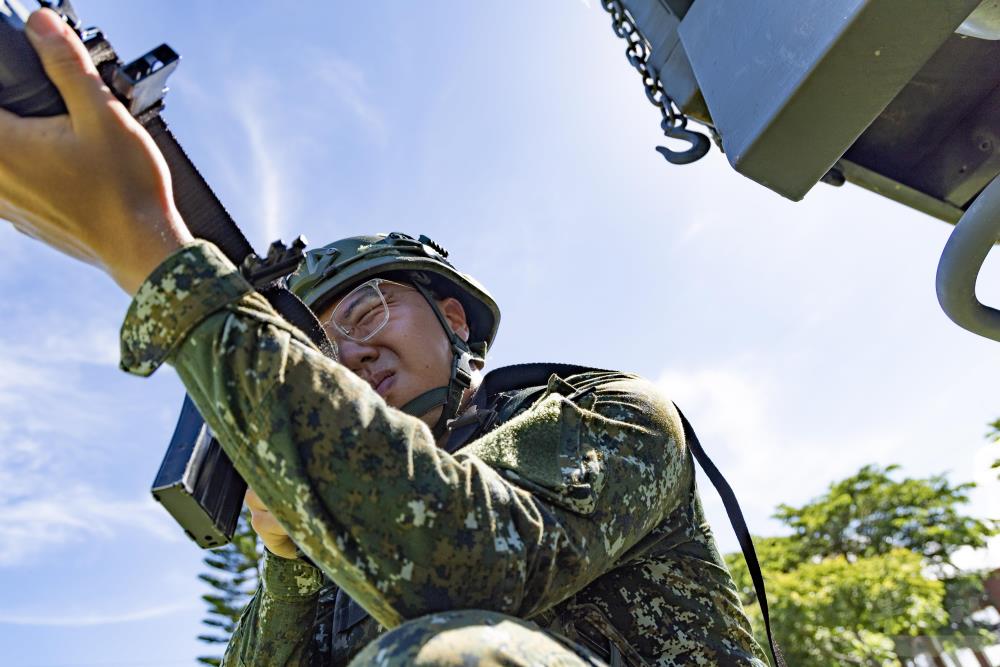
[(674, 123), (637, 53)]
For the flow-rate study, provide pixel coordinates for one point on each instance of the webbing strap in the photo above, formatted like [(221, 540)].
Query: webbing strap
[(426, 402), (739, 527), (461, 368), (208, 219)]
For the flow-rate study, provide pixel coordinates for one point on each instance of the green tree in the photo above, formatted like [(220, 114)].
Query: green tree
[(233, 577), (868, 561), (870, 514), (994, 435)]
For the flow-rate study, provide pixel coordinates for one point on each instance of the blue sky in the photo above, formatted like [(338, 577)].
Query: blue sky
[(802, 339)]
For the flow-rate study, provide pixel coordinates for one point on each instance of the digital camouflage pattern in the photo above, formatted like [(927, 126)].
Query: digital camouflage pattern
[(579, 514), (473, 637)]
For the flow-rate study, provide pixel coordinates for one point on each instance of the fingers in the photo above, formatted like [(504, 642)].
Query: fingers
[(252, 500), (67, 63), (261, 519), (267, 527)]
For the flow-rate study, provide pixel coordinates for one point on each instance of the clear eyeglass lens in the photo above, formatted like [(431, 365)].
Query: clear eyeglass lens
[(362, 313)]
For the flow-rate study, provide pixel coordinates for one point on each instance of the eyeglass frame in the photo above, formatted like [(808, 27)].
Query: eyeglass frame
[(374, 283)]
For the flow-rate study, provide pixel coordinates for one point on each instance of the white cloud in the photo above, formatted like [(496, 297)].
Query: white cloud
[(90, 618), (32, 392), (739, 420), (968, 558), (53, 515), (348, 84), (51, 343), (258, 105), (51, 425), (267, 168)]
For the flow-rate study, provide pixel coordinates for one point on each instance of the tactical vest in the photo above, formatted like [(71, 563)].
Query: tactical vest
[(342, 627)]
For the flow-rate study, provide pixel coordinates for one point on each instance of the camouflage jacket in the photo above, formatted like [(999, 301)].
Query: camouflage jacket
[(580, 513)]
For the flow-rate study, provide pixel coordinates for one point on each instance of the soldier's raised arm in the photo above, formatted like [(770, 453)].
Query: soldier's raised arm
[(364, 490), (276, 628)]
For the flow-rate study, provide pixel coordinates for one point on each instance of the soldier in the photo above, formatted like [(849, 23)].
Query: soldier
[(545, 515), (553, 493)]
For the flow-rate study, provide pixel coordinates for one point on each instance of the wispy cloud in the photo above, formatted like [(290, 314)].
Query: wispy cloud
[(90, 618), (340, 98), (35, 387), (739, 420), (737, 417), (49, 422), (53, 516), (347, 82), (45, 505), (53, 343), (266, 163)]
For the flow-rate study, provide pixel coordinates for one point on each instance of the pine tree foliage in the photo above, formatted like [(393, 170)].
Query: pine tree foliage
[(235, 570)]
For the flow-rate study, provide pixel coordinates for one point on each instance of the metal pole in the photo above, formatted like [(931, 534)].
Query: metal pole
[(963, 256)]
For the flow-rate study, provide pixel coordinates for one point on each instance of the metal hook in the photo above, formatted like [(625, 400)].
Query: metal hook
[(699, 144)]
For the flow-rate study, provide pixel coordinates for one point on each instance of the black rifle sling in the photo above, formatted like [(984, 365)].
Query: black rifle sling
[(739, 527), (208, 219)]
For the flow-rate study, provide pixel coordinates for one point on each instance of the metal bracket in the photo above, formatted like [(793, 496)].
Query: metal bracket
[(280, 262), (143, 81), (962, 258), (64, 8)]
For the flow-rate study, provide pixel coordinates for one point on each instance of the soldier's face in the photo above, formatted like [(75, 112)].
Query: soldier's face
[(410, 354)]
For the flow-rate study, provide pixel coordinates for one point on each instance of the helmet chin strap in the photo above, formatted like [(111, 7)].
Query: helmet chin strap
[(450, 396)]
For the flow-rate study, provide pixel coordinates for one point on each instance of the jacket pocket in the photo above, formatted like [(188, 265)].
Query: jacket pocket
[(544, 451)]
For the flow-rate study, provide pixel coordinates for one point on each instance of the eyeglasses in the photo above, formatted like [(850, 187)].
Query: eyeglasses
[(364, 311)]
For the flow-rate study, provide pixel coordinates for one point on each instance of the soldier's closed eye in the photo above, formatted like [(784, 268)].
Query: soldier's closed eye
[(362, 311)]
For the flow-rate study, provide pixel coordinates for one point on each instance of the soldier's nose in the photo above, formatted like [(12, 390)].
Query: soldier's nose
[(355, 355)]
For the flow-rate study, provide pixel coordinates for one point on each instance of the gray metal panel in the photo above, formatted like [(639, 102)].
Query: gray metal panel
[(791, 85), (658, 24), (899, 192), (941, 133)]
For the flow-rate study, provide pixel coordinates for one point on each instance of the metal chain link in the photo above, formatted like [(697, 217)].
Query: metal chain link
[(637, 52), (674, 121)]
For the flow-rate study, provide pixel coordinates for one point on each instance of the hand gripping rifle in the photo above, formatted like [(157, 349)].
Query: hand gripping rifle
[(196, 481)]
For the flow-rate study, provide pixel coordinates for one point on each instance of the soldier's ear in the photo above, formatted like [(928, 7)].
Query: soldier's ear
[(454, 313)]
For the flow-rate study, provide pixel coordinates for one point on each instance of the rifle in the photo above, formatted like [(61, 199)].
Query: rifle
[(196, 482)]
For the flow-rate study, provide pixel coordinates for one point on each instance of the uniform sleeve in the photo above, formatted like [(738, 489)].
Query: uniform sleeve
[(516, 523), (275, 628)]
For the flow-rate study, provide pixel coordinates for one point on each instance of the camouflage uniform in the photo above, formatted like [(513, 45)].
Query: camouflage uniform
[(579, 514)]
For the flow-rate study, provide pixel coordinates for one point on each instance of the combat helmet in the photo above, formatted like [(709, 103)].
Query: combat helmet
[(332, 270)]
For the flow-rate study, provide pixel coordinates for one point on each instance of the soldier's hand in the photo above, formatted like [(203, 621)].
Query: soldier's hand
[(274, 536), (91, 183)]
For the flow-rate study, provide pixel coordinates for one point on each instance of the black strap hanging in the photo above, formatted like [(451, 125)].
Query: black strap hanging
[(739, 527), (536, 375)]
